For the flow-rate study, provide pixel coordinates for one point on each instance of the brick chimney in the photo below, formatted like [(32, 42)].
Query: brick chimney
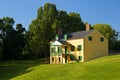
[(88, 27), (59, 31)]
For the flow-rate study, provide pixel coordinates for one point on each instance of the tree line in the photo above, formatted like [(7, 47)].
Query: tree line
[(17, 43)]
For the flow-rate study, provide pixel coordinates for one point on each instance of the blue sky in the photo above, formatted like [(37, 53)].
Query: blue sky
[(92, 11)]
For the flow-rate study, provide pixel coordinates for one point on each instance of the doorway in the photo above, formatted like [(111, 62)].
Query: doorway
[(65, 49)]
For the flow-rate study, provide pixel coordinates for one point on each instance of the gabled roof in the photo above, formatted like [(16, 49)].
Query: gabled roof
[(59, 43), (79, 34), (56, 43), (75, 35)]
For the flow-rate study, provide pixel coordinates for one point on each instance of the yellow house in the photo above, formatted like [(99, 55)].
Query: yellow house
[(78, 46)]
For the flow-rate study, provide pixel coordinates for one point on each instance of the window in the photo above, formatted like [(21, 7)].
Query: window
[(90, 38), (71, 57), (101, 39), (59, 58), (80, 57), (72, 48), (52, 58), (53, 50), (79, 47), (66, 50), (59, 50)]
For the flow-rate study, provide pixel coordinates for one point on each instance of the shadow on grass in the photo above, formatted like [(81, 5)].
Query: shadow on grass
[(12, 69), (114, 53)]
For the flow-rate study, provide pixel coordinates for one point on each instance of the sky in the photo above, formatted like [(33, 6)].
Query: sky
[(92, 11)]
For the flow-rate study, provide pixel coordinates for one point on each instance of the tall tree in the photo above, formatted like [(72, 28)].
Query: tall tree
[(19, 40), (76, 22), (45, 26), (40, 30), (12, 40), (6, 32)]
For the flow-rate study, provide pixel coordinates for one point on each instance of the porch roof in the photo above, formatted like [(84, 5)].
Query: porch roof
[(59, 43)]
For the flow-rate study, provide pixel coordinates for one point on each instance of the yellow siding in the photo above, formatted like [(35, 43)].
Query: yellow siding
[(75, 43), (95, 48)]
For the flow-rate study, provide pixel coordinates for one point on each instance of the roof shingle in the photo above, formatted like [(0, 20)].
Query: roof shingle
[(75, 35)]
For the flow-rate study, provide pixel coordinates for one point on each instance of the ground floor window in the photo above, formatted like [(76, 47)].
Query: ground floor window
[(80, 57), (59, 59), (52, 58), (71, 57)]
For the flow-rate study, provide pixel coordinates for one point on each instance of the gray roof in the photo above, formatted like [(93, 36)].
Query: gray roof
[(76, 35), (79, 34)]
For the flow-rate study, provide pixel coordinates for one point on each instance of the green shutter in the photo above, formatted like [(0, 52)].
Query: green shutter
[(80, 57), (79, 47), (101, 39), (60, 49), (53, 50)]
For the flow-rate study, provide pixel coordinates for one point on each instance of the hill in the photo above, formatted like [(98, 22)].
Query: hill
[(105, 68)]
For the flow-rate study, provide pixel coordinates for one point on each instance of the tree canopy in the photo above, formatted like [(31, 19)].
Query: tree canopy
[(43, 29), (12, 40)]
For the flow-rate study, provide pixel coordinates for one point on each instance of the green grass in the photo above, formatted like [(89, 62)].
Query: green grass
[(105, 68)]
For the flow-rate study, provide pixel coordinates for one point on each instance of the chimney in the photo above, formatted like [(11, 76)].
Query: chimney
[(59, 31), (88, 27)]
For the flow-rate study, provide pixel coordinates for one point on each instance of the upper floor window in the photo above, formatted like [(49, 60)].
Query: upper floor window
[(101, 39), (59, 59), (52, 58), (90, 38), (79, 47), (72, 48), (53, 50), (59, 50)]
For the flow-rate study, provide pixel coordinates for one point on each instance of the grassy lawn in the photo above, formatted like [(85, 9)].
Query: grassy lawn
[(105, 68)]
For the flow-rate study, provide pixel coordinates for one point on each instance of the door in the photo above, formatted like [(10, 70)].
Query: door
[(65, 58), (65, 49)]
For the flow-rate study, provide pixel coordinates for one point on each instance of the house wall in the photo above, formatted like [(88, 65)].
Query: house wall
[(76, 53), (95, 48), (57, 60)]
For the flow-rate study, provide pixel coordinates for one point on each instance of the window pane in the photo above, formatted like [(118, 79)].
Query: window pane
[(79, 47), (72, 48), (101, 39), (52, 58), (53, 50), (80, 57), (59, 58), (90, 38)]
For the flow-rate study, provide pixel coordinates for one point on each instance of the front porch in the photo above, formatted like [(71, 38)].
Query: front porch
[(60, 59), (59, 53)]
